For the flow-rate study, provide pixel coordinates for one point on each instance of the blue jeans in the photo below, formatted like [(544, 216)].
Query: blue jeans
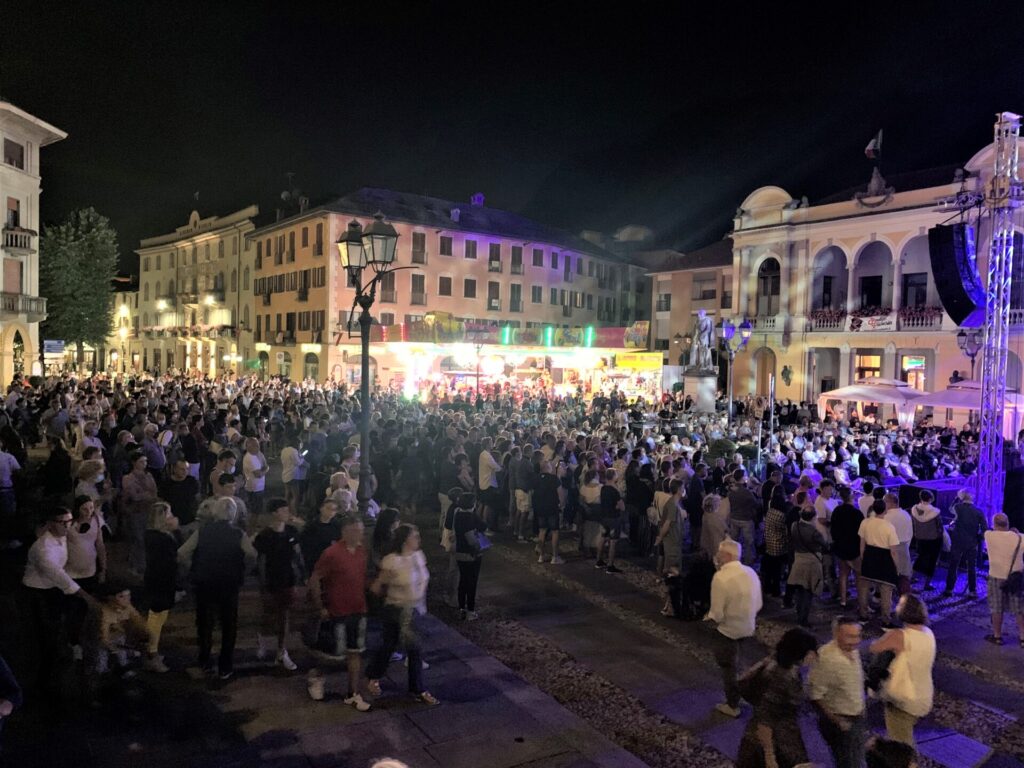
[(743, 532), (399, 625)]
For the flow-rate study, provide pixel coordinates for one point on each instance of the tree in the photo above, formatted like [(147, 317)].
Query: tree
[(77, 261)]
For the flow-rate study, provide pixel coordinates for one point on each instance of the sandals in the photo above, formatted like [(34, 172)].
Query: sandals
[(426, 697), (996, 640)]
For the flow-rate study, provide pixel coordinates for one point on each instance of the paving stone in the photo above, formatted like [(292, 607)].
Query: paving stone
[(498, 749), (955, 751), (453, 721)]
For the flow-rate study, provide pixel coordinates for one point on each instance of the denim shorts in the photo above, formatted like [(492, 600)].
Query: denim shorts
[(349, 634)]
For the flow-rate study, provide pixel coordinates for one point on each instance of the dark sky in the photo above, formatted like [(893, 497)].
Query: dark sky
[(661, 114)]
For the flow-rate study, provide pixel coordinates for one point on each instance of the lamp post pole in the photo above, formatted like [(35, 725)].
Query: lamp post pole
[(359, 248), (728, 332)]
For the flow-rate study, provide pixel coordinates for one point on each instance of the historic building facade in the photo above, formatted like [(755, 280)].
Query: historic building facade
[(22, 136), (195, 296), (842, 289)]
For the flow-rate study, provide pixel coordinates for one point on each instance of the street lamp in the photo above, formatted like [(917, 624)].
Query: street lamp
[(727, 332), (970, 344), (359, 248)]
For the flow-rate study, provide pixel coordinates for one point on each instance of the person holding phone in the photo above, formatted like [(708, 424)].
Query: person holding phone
[(294, 470)]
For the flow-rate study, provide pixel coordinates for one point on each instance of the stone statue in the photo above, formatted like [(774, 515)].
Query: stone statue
[(703, 343)]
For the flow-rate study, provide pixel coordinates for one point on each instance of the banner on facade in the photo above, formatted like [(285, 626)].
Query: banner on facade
[(639, 361), (877, 323)]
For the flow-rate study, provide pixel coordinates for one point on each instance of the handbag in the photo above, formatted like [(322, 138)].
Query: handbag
[(899, 687), (482, 542), (1014, 583), (448, 539)]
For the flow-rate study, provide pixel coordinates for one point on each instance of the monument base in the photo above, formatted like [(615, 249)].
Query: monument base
[(701, 386)]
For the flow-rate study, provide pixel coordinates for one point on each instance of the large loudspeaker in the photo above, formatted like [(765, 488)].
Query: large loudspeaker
[(955, 271)]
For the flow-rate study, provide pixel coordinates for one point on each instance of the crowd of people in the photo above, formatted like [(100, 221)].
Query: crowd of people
[(151, 487)]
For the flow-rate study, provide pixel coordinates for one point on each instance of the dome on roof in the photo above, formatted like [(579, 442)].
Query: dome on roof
[(766, 197)]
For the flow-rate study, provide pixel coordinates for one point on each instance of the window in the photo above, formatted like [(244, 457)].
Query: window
[(220, 249), (664, 302), (444, 286), (387, 287), (305, 236), (494, 258), (14, 154), (320, 277), (145, 292), (868, 366), (536, 294), (554, 259), (13, 212), (444, 246), (517, 260), (387, 318), (145, 264), (538, 257), (493, 295), (515, 298), (291, 246), (234, 279), (915, 289), (158, 261), (259, 255), (170, 260), (827, 282), (726, 299), (245, 279), (469, 288), (705, 287), (470, 252), (590, 268), (661, 344), (419, 290), (304, 322), (562, 297), (579, 266), (234, 246), (419, 248), (769, 277), (206, 252), (871, 291), (554, 297), (319, 238)]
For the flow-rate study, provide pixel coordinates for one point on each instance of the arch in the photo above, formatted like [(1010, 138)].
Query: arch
[(284, 364), (29, 353), (867, 243), (769, 286), (245, 279), (234, 280), (873, 276), (245, 315), (311, 367), (829, 278), (145, 291), (156, 290), (765, 197), (354, 372)]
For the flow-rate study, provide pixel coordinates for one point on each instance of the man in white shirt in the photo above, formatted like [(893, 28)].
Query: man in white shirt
[(904, 525), (836, 686), (824, 505), (735, 602), (9, 466), (57, 605), (487, 482), (255, 468)]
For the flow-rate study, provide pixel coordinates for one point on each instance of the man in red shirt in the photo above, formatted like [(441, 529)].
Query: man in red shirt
[(338, 589)]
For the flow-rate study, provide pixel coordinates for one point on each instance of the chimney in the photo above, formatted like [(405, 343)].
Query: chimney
[(280, 214), (477, 199), (303, 204), (455, 214)]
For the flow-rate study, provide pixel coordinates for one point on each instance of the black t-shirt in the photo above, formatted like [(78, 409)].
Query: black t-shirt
[(545, 493), (278, 548), (182, 495), (845, 530), (610, 498), (316, 537)]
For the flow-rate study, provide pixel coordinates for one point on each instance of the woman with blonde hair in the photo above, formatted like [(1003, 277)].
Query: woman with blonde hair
[(161, 576)]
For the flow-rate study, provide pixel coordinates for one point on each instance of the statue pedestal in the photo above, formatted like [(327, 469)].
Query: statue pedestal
[(701, 386)]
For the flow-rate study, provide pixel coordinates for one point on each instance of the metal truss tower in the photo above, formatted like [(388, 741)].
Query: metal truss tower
[(1004, 196)]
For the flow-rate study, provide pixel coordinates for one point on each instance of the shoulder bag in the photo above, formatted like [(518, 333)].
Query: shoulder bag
[(1014, 583)]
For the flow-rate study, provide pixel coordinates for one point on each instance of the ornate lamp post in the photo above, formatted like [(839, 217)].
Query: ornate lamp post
[(970, 343), (359, 248), (122, 333), (727, 332)]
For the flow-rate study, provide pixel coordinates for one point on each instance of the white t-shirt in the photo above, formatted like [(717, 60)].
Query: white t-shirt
[(878, 532), (823, 514), (250, 464), (865, 502), (8, 466), (488, 471), (1000, 546), (902, 522), (406, 578)]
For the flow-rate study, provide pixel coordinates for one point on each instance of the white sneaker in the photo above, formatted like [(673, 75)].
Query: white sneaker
[(556, 560), (261, 647), (358, 703), (540, 558), (725, 709), (472, 615), (286, 661), (423, 664)]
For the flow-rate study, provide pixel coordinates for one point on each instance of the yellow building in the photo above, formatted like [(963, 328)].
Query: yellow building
[(195, 288), (839, 290)]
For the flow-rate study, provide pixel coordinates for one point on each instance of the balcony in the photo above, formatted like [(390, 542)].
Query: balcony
[(516, 268), (922, 318), (494, 266), (494, 305), (419, 257), (189, 297), (302, 294), (285, 338), (18, 240), (388, 297), (14, 305), (826, 319), (766, 322), (515, 306), (318, 249), (418, 298)]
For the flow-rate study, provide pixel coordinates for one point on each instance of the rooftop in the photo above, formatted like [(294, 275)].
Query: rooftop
[(716, 255)]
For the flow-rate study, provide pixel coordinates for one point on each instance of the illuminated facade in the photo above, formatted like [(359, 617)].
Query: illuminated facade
[(467, 262), (195, 289), (122, 345), (839, 290), (21, 308)]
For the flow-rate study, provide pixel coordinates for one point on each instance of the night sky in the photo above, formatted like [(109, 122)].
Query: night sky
[(647, 113)]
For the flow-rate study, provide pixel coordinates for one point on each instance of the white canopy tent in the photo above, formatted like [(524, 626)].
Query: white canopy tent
[(966, 395), (877, 390)]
